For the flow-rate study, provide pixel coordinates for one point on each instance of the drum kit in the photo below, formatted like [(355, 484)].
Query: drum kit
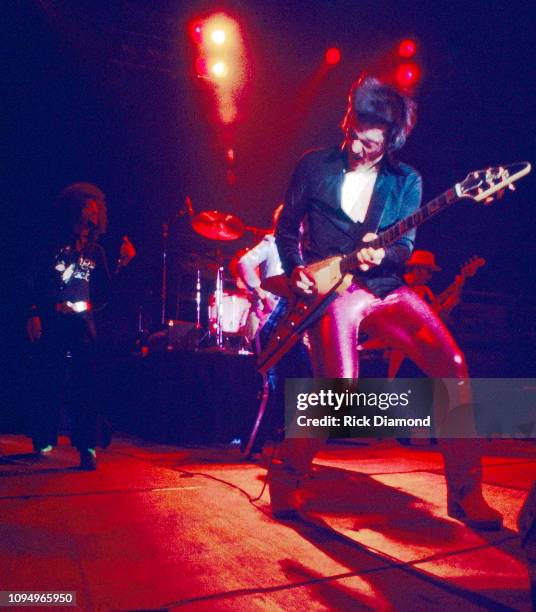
[(229, 306)]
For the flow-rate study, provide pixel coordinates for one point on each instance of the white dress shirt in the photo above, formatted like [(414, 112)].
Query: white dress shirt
[(356, 193)]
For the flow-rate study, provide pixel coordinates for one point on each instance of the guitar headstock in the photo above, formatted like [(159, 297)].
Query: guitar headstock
[(480, 185), (471, 266)]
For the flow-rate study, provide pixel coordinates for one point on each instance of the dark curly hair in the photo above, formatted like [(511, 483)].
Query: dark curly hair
[(70, 203), (375, 102)]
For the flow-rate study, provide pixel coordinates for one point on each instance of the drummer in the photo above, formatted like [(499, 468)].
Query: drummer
[(256, 264), (252, 267)]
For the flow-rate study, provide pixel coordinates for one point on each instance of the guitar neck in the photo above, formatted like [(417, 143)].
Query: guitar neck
[(454, 287), (391, 235)]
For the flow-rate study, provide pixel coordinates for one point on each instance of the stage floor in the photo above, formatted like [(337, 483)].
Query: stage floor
[(161, 527)]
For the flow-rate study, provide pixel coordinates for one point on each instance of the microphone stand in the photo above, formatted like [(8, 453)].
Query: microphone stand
[(165, 236)]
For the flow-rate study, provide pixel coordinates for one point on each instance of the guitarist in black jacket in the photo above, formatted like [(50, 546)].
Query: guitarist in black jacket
[(343, 195)]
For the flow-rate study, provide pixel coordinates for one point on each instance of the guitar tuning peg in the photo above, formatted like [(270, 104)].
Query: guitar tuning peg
[(511, 187)]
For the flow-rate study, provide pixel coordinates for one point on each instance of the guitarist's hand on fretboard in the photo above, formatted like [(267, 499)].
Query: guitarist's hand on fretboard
[(450, 298), (369, 257)]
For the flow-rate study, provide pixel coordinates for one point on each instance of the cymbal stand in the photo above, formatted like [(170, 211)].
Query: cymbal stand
[(198, 300), (165, 236), (219, 308)]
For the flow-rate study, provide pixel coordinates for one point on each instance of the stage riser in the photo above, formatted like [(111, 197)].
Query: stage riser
[(185, 397)]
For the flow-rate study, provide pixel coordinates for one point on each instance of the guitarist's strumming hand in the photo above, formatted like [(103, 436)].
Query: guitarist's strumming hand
[(369, 257), (302, 282), (264, 302)]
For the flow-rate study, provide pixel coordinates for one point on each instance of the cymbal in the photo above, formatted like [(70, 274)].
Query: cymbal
[(197, 260), (218, 225), (206, 265), (192, 262)]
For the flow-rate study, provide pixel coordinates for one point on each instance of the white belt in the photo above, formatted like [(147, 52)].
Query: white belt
[(69, 307)]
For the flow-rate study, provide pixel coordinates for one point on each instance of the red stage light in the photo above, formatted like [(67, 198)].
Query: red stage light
[(333, 56), (407, 48), (218, 36), (221, 60), (407, 75)]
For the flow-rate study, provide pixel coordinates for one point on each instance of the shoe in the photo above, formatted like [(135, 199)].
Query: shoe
[(88, 459), (474, 511), (43, 452), (283, 485), (463, 473)]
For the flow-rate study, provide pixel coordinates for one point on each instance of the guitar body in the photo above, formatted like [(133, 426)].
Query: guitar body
[(326, 272), (301, 310), (328, 276)]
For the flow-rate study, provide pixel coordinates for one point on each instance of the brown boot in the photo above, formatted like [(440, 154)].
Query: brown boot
[(463, 473)]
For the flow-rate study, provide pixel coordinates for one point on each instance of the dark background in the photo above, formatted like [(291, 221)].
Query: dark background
[(105, 92)]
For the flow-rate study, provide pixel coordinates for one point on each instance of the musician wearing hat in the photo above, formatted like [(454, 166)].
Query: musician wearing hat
[(419, 271)]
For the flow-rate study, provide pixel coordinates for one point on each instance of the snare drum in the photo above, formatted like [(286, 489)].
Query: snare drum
[(235, 311)]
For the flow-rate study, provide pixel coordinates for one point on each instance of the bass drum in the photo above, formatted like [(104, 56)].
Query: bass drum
[(235, 311)]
